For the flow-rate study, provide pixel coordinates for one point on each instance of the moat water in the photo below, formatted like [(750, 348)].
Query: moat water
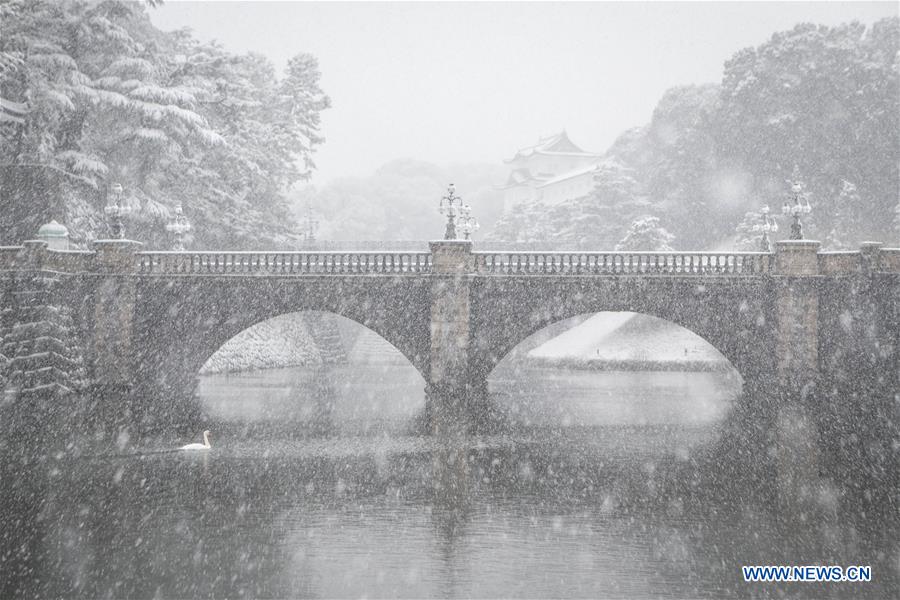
[(317, 485)]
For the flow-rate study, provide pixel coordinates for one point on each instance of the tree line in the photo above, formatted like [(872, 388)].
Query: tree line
[(822, 100), (92, 93)]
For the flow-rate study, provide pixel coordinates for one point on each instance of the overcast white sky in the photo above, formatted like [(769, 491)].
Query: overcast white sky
[(465, 82)]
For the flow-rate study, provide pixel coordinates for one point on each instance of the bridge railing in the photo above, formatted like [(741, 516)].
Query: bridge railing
[(890, 260), (624, 263), (282, 263)]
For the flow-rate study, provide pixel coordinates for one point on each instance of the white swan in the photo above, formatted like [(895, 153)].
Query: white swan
[(204, 446)]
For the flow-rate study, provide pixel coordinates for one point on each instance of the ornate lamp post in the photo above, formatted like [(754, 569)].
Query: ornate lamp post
[(468, 223), (768, 224), (179, 225), (115, 211), (800, 206), (450, 205)]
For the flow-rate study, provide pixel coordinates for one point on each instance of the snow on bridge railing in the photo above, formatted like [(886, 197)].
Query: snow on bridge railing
[(624, 263), (282, 263)]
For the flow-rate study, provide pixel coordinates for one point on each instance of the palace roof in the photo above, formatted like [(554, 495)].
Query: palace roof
[(558, 144)]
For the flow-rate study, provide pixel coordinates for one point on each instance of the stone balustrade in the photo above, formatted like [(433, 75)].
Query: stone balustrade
[(624, 263), (890, 260), (839, 262), (281, 263), (827, 263)]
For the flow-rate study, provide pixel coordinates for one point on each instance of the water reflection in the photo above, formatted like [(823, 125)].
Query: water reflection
[(616, 509)]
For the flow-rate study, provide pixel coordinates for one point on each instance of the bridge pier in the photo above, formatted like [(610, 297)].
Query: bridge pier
[(795, 432), (452, 390), (109, 351)]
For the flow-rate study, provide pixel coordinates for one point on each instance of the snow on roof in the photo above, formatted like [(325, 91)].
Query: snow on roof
[(554, 144)]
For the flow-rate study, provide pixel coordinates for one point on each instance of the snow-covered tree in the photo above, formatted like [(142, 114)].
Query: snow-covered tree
[(847, 230), (747, 234), (646, 233), (110, 98)]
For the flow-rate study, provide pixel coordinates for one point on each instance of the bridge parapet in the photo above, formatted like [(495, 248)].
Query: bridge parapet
[(34, 255), (625, 263), (282, 263), (890, 260)]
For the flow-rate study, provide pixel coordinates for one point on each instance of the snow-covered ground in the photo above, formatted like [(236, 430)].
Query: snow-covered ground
[(279, 342), (629, 340)]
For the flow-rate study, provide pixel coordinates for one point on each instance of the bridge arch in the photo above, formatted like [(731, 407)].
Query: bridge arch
[(560, 339), (180, 322), (321, 336), (734, 318)]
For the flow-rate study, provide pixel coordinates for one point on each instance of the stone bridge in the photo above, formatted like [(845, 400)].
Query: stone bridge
[(802, 327)]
